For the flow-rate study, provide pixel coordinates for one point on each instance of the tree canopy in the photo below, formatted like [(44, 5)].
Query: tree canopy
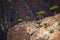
[(54, 8), (38, 21), (40, 12), (28, 17), (20, 20)]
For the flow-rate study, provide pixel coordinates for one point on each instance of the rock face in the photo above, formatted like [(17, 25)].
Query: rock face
[(44, 32), (30, 30), (17, 33)]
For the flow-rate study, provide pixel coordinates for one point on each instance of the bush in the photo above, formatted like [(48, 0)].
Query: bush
[(51, 31), (38, 16), (59, 23), (20, 20), (40, 12), (38, 21), (46, 24), (28, 17), (54, 8)]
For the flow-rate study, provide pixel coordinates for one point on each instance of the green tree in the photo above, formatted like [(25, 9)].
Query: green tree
[(27, 18), (53, 8), (20, 20), (40, 13)]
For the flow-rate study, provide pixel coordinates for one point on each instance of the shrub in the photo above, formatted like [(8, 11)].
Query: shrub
[(20, 20), (28, 17), (54, 8), (40, 12), (59, 23), (51, 31), (46, 25), (39, 16), (38, 21)]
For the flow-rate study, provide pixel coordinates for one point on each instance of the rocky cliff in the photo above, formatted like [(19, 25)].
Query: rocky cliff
[(31, 31)]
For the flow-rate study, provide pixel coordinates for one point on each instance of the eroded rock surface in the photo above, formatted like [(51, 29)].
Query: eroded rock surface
[(30, 30)]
